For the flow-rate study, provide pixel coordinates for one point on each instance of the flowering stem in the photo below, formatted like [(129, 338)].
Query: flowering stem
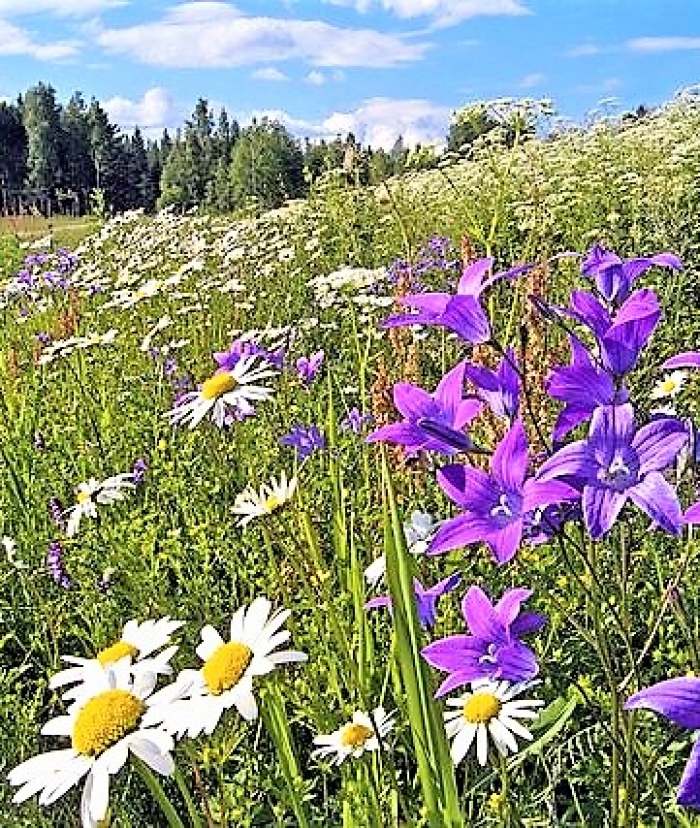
[(158, 793), (187, 796)]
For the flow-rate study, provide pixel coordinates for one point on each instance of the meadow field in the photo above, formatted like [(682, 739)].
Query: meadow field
[(209, 421)]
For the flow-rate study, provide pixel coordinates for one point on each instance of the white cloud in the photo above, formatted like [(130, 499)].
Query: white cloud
[(318, 78), (532, 80), (663, 44), (269, 73), (154, 111), (16, 41), (378, 122), (62, 8), (216, 35), (442, 12), (585, 50)]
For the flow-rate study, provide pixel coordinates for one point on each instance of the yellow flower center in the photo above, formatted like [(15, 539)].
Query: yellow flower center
[(355, 735), (104, 720), (218, 384), (668, 386), (481, 708), (111, 654), (81, 496), (273, 502), (224, 668)]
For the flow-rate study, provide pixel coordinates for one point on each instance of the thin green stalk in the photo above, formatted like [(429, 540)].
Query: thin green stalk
[(187, 796), (158, 793)]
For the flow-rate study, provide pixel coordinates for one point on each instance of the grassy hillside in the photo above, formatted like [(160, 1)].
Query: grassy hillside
[(96, 354)]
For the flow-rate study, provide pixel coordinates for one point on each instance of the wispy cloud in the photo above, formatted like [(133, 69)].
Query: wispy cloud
[(441, 12), (663, 44), (531, 81), (377, 122), (606, 86), (269, 73), (216, 35), (19, 42), (586, 50), (61, 8)]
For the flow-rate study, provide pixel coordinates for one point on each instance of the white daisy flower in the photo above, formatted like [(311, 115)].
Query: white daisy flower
[(488, 711), (670, 385), (96, 491), (356, 736), (235, 388), (103, 727), (139, 641), (272, 496), (197, 699)]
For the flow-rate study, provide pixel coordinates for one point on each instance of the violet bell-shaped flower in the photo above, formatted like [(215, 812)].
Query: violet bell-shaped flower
[(432, 422), (614, 276), (496, 504), (678, 700), (622, 337), (499, 389), (426, 599), (617, 463), (493, 650), (582, 387), (460, 312)]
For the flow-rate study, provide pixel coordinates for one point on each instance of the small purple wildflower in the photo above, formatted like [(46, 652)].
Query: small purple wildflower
[(138, 471), (426, 599), (614, 276), (308, 367), (56, 513), (499, 389), (305, 439), (356, 421), (54, 563)]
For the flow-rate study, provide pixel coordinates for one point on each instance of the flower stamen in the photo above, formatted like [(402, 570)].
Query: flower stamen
[(224, 668), (106, 719)]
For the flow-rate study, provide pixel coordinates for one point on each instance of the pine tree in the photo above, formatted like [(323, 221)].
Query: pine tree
[(13, 147)]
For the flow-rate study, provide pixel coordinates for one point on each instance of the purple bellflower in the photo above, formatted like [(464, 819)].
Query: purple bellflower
[(426, 599), (308, 367), (305, 439), (460, 312), (582, 387), (621, 337), (617, 463), (494, 649), (688, 359), (678, 700), (432, 422), (614, 276), (496, 504), (499, 389)]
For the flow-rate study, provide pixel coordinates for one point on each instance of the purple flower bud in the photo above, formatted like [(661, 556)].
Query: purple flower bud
[(138, 471), (54, 563), (56, 512)]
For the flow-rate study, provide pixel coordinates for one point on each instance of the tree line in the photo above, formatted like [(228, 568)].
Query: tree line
[(75, 152)]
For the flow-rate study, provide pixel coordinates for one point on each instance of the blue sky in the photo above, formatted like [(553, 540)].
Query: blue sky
[(376, 67)]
